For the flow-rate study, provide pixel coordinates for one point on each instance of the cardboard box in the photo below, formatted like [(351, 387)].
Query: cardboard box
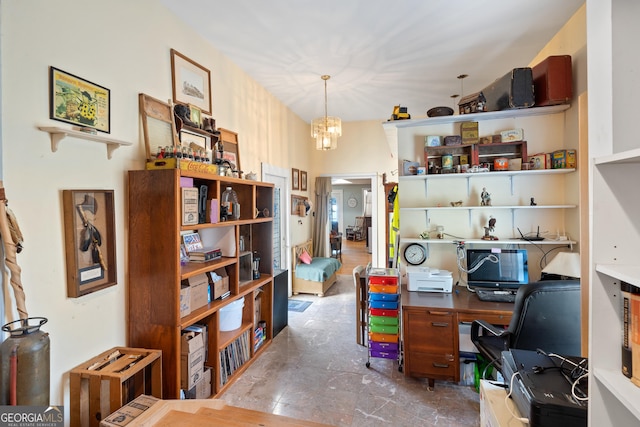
[(191, 359), (199, 285), (198, 328), (129, 412), (562, 159), (185, 300), (190, 165), (219, 287), (493, 408), (202, 389)]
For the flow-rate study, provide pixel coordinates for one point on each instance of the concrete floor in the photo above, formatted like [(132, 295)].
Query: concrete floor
[(314, 370)]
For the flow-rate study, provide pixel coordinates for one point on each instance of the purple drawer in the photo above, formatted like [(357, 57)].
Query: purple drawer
[(383, 346), (384, 354)]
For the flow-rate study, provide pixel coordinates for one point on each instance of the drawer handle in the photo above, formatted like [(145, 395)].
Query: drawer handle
[(440, 365), (440, 324), (439, 313)]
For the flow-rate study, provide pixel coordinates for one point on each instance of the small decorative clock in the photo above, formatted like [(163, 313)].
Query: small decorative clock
[(415, 253), (352, 202)]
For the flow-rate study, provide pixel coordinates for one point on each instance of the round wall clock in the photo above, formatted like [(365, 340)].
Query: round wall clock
[(415, 253), (352, 202)]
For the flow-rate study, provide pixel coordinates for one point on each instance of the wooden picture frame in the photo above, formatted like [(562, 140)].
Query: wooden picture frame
[(90, 244), (157, 124), (303, 180), (78, 101), (191, 82), (196, 115), (230, 149), (295, 179)]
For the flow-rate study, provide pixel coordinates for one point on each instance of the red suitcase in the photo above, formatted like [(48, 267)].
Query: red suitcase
[(553, 81)]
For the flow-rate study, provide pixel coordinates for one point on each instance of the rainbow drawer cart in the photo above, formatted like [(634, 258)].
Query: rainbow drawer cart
[(384, 315)]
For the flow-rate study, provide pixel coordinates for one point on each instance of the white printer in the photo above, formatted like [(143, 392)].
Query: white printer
[(425, 279)]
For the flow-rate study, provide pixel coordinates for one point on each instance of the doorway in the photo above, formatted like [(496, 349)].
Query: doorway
[(353, 203)]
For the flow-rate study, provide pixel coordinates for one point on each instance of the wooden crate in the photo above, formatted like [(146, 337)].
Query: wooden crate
[(110, 380)]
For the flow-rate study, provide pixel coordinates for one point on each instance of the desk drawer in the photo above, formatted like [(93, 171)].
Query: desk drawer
[(428, 332), (494, 319), (436, 366)]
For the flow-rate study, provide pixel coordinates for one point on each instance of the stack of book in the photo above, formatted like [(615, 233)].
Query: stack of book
[(205, 254), (196, 250)]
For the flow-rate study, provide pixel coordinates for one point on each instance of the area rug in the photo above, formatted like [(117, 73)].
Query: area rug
[(297, 305)]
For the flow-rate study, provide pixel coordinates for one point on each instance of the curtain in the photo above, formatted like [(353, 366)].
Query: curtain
[(321, 229)]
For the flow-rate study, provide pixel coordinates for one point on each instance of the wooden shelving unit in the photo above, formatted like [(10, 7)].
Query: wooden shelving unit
[(155, 273)]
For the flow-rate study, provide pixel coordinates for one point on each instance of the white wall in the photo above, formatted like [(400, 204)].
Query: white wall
[(124, 46)]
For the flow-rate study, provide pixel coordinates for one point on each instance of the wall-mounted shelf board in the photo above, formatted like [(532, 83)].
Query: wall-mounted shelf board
[(514, 241), (463, 208), (489, 115), (58, 134)]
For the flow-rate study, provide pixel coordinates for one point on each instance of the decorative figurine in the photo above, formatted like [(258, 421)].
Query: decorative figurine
[(485, 198), (488, 230), (533, 202), (456, 204)]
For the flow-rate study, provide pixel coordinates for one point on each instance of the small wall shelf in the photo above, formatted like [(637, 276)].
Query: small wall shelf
[(57, 134)]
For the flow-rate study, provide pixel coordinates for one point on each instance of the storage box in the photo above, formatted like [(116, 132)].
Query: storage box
[(383, 346), (191, 359), (130, 411), (375, 296), (101, 385), (469, 132), (383, 329), (390, 338), (562, 159), (198, 328), (174, 163), (199, 285), (230, 316), (185, 299), (189, 206), (383, 320), (213, 211), (433, 140), (538, 161), (512, 135), (221, 286), (202, 389), (493, 407)]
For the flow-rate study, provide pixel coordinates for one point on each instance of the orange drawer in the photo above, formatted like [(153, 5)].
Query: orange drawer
[(385, 289), (375, 336)]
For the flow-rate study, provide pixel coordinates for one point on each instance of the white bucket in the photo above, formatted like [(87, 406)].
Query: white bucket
[(231, 315)]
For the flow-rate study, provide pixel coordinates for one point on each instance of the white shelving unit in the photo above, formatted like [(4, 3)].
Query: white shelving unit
[(615, 243), (58, 134), (614, 205), (427, 201)]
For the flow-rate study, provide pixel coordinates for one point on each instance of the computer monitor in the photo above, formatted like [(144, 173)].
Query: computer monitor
[(510, 272)]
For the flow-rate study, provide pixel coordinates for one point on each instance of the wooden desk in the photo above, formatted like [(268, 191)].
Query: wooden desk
[(430, 330)]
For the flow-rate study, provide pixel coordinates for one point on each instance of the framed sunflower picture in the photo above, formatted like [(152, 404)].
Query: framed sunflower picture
[(78, 101)]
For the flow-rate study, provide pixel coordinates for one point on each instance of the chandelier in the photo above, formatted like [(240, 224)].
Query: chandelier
[(326, 130)]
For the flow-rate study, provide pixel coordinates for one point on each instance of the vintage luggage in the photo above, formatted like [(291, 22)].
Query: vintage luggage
[(513, 90), (553, 81), (474, 103)]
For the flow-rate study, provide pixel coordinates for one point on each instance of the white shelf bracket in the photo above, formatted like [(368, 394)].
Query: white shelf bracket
[(55, 140), (513, 218), (469, 214), (426, 188), (511, 183), (468, 186)]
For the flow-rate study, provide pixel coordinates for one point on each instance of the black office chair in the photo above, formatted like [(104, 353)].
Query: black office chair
[(546, 316)]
